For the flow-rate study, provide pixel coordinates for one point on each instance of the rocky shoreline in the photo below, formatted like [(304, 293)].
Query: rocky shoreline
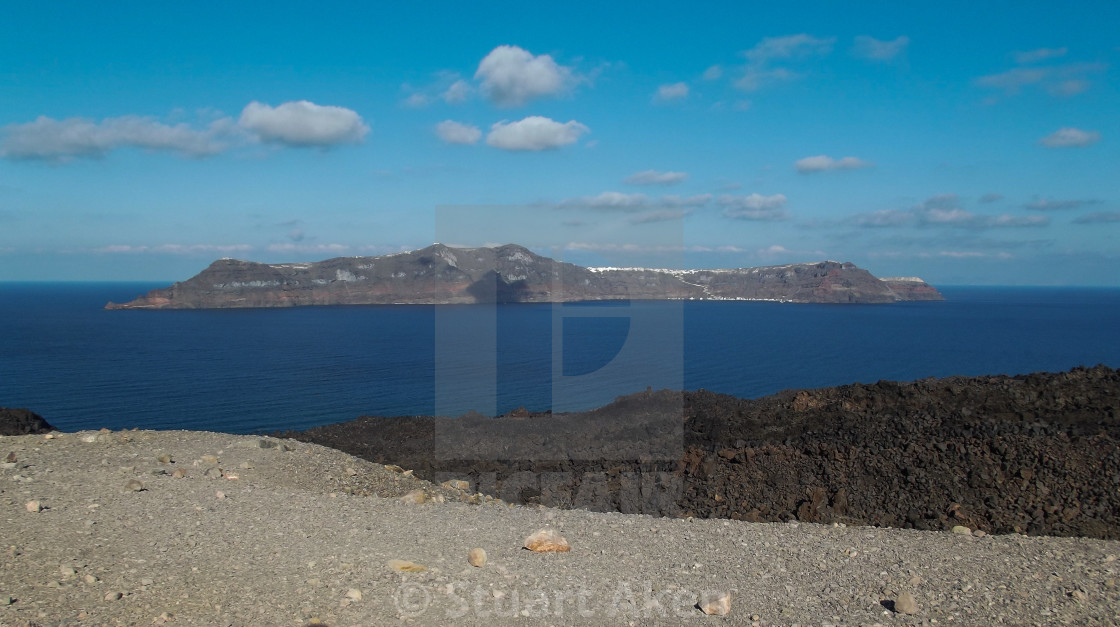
[(1037, 454)]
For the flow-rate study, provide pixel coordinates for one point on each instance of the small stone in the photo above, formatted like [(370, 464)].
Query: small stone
[(962, 530), (34, 507), (394, 468), (717, 604), (477, 558), (90, 579), (220, 494), (49, 436), (457, 484), (262, 443), (11, 458), (67, 571), (406, 566), (212, 472), (113, 596), (1079, 595), (354, 594), (415, 496), (146, 582), (103, 430), (245, 466), (164, 459), (179, 473), (209, 459), (230, 476), (134, 486), (979, 533), (905, 604), (350, 472), (547, 541)]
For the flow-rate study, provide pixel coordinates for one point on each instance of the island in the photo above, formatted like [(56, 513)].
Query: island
[(440, 274)]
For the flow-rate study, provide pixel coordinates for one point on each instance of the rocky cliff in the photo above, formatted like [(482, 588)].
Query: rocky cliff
[(440, 274)]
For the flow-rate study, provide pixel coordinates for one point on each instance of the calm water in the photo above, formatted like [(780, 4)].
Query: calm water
[(258, 370)]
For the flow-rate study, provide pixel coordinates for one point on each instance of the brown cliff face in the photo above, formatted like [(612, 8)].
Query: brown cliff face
[(439, 274)]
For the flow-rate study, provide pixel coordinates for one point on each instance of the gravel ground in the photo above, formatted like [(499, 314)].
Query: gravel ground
[(262, 531)]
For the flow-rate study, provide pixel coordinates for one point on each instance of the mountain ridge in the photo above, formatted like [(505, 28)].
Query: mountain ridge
[(440, 274)]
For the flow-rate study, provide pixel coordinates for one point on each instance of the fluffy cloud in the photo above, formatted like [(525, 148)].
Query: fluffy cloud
[(653, 177), (1041, 54), (453, 132), (942, 210), (511, 76), (671, 91), (755, 207), (1045, 204), (62, 140), (823, 163), (457, 92), (867, 47), (534, 133), (1067, 137), (303, 124)]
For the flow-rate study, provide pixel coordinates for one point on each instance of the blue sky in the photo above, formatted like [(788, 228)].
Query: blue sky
[(964, 143)]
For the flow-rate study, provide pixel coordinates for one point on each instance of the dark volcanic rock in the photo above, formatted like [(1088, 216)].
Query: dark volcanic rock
[(439, 274), (22, 422), (1037, 454)]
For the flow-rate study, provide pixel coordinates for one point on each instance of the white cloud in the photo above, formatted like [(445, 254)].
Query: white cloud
[(754, 207), (1067, 137), (303, 123), (671, 91), (1059, 80), (1045, 204), (416, 101), (878, 50), (661, 215), (62, 140), (759, 70), (789, 47), (1041, 54), (534, 133), (714, 72), (512, 76), (823, 163), (453, 132), (654, 177), (881, 218), (1101, 217), (697, 200), (457, 92), (609, 200)]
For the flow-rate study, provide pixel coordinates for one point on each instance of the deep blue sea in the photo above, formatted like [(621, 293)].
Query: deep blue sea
[(259, 370)]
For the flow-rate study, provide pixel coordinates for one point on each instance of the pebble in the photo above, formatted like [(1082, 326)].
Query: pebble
[(415, 496), (134, 486), (34, 507), (209, 459), (547, 541), (179, 473), (354, 594), (212, 472), (717, 604), (164, 459), (406, 566), (67, 571), (905, 604), (477, 558), (457, 484), (90, 579), (979, 533), (220, 494), (962, 530), (113, 596), (11, 458)]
